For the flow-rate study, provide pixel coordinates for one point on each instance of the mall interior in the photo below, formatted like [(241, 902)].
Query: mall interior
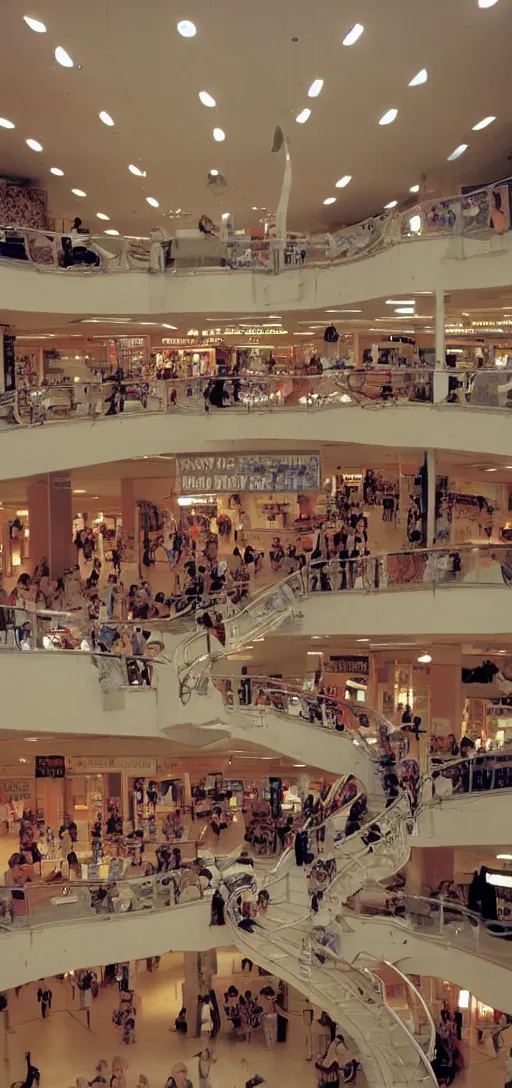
[(255, 545)]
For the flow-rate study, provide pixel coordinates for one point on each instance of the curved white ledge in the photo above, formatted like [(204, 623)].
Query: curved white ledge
[(420, 265), (472, 819), (68, 445)]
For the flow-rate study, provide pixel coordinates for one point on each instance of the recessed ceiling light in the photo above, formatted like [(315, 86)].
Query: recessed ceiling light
[(78, 192), (153, 201), (57, 171), (35, 24), (34, 144), (388, 117), (219, 135), (4, 123), (420, 78), (503, 857), (491, 470), (404, 310), (63, 58), (330, 200), (303, 116), (425, 659), (116, 232), (391, 204), (79, 491), (101, 215), (299, 764), (106, 118), (315, 88), (458, 152), (400, 302), (353, 35), (343, 181), (340, 312), (137, 171), (207, 99), (414, 189), (362, 639), (165, 326), (186, 28), (487, 3), (214, 173), (483, 124), (30, 740), (226, 215)]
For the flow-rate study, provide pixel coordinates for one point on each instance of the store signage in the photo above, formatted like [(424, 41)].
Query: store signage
[(258, 330), (354, 666), (50, 767), (498, 712), (192, 341), (15, 789), (109, 764), (249, 472)]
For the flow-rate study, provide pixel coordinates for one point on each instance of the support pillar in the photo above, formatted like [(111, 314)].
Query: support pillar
[(129, 517), (199, 968), (431, 497), (440, 375), (446, 694), (51, 522), (427, 867)]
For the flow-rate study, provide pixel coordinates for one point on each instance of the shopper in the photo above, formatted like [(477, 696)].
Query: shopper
[(180, 1022), (508, 1070), (178, 1077), (206, 1060), (269, 1017), (44, 996)]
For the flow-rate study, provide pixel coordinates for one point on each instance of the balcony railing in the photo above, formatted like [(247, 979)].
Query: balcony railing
[(464, 216)]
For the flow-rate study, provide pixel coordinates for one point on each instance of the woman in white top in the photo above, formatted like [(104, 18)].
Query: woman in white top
[(206, 1060)]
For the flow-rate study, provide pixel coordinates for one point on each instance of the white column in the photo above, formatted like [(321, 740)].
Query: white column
[(431, 497), (440, 376)]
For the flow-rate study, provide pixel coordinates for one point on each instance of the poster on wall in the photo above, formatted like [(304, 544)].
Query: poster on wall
[(50, 767), (7, 364), (14, 789), (249, 472), (351, 664)]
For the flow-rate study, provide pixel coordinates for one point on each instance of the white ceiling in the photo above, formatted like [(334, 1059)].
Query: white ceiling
[(258, 61)]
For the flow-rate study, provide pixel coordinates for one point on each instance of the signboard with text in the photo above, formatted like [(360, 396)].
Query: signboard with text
[(249, 472), (50, 767), (350, 664), (136, 765), (15, 789)]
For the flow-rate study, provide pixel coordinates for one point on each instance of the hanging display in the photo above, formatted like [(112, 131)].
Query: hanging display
[(249, 472)]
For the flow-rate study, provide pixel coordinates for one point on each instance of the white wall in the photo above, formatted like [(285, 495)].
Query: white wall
[(477, 819), (416, 265), (58, 446), (30, 954)]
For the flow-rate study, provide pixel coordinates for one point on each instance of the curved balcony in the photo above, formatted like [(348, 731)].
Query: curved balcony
[(418, 404), (44, 272)]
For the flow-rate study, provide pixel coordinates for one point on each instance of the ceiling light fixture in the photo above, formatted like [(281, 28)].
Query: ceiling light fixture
[(487, 3), (106, 118), (35, 24), (215, 174), (420, 78), (315, 88), (137, 171), (303, 116), (391, 204), (219, 135), (111, 231), (404, 310), (78, 192), (400, 302), (339, 312), (101, 215), (165, 326), (4, 123), (415, 224), (343, 181), (458, 152), (425, 659), (153, 201), (353, 35), (34, 144), (207, 99), (483, 124), (57, 171), (63, 58), (499, 857), (414, 189), (388, 117), (330, 200), (186, 28), (226, 215)]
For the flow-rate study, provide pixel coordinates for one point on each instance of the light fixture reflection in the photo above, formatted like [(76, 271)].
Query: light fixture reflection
[(35, 24), (63, 58), (388, 117), (106, 118), (420, 78), (315, 88), (458, 152), (186, 28), (303, 116), (353, 35)]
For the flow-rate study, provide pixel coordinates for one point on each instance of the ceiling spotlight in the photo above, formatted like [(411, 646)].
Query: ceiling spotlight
[(487, 3), (330, 200), (425, 659), (213, 173), (388, 117), (420, 78), (414, 189), (343, 181), (483, 124), (391, 204), (106, 118), (63, 58), (353, 35), (137, 171), (4, 123), (303, 116), (404, 309), (186, 28), (315, 88), (400, 302), (116, 232), (35, 24), (226, 215), (34, 144), (101, 215), (78, 192), (57, 171), (207, 99), (219, 135), (152, 200), (458, 152)]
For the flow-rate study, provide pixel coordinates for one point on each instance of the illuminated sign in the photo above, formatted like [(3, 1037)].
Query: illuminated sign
[(249, 472)]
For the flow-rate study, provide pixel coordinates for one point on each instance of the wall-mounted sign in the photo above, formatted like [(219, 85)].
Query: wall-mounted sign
[(192, 341), (144, 765), (249, 472), (258, 330), (14, 789), (351, 664), (50, 767)]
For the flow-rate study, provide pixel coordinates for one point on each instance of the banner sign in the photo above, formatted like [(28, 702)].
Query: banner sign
[(15, 789), (249, 472), (137, 765), (50, 767), (354, 666)]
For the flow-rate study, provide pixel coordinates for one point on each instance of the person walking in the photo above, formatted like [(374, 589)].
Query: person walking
[(44, 996), (206, 1060)]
